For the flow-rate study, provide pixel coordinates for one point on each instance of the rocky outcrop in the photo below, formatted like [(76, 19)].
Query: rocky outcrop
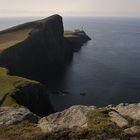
[(75, 116), (101, 120), (134, 130), (76, 38), (129, 110), (78, 116), (80, 122), (118, 119), (10, 115)]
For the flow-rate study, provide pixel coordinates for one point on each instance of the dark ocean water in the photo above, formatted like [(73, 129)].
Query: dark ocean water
[(106, 69)]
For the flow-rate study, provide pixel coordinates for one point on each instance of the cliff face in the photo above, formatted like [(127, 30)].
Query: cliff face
[(31, 96), (17, 91), (34, 97), (76, 38), (44, 50), (43, 54)]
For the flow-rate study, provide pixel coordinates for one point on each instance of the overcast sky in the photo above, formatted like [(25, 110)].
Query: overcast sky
[(70, 7)]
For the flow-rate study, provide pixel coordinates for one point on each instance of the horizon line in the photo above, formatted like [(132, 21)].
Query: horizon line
[(40, 16)]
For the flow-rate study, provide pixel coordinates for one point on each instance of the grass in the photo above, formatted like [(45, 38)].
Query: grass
[(11, 38), (8, 86), (21, 131), (19, 33), (102, 127)]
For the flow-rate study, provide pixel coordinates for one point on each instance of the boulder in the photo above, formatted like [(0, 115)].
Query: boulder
[(118, 119), (75, 116), (129, 110), (10, 115)]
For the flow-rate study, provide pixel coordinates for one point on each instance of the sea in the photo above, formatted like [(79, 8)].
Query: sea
[(106, 70)]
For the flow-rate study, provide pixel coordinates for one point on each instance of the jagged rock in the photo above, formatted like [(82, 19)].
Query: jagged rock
[(74, 116), (132, 110), (10, 115), (118, 119), (133, 131), (76, 122), (77, 38)]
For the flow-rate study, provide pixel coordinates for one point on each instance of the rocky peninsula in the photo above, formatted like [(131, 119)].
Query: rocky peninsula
[(27, 53)]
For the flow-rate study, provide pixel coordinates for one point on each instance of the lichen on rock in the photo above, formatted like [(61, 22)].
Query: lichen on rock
[(78, 122), (11, 115)]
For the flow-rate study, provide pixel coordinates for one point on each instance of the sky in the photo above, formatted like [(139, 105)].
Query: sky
[(123, 8)]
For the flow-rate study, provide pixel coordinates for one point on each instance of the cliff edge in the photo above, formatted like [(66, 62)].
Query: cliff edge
[(21, 92), (113, 122)]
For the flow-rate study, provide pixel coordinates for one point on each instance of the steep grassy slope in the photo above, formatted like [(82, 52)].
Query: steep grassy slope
[(19, 33), (16, 34), (16, 91), (8, 86), (11, 38)]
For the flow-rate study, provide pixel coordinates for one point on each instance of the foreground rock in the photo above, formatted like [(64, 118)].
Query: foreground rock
[(129, 110), (135, 130), (76, 38), (76, 122), (10, 115), (99, 123), (75, 116), (118, 119)]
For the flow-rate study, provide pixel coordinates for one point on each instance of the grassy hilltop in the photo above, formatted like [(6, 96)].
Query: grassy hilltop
[(16, 34)]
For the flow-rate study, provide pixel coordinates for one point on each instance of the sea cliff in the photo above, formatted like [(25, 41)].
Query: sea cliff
[(33, 50), (45, 49), (21, 92)]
